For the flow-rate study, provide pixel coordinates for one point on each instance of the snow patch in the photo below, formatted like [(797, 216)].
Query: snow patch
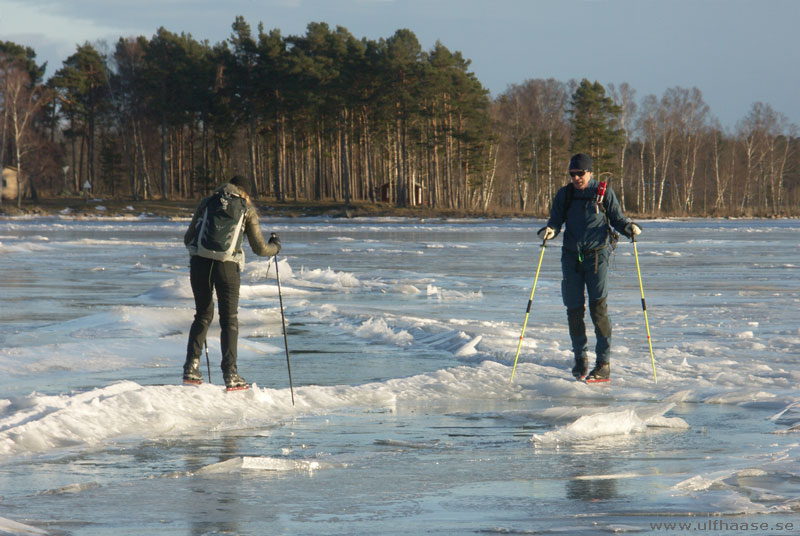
[(615, 423), (260, 463)]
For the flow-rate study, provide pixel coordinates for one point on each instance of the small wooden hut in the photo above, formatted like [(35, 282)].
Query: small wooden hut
[(10, 186)]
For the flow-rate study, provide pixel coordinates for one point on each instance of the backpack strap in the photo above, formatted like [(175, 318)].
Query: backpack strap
[(600, 199), (603, 203), (569, 194)]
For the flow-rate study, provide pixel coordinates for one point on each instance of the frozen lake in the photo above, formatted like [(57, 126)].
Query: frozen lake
[(402, 335)]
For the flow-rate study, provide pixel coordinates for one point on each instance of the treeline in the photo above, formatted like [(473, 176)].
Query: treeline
[(327, 116), (663, 156)]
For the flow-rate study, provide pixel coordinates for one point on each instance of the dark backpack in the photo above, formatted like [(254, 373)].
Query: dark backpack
[(220, 235)]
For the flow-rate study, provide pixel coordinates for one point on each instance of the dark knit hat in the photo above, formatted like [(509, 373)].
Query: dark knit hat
[(581, 161), (242, 182)]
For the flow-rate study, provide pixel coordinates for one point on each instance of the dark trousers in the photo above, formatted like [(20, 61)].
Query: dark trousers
[(206, 275), (581, 276)]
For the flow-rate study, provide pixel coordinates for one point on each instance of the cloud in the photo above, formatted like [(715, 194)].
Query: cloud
[(53, 23), (52, 31)]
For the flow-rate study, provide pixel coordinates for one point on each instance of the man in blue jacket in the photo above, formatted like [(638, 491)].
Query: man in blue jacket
[(591, 213)]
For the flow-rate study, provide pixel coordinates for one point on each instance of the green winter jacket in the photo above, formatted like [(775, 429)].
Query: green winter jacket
[(251, 229)]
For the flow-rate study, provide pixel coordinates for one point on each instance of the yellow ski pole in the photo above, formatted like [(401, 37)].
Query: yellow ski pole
[(528, 311), (644, 308)]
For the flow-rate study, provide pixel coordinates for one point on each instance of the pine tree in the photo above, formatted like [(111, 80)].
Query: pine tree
[(83, 85), (25, 58), (595, 123)]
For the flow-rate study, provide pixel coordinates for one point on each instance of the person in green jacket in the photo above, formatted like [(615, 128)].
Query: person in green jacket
[(222, 274)]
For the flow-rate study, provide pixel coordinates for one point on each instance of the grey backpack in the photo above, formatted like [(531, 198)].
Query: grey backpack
[(220, 235)]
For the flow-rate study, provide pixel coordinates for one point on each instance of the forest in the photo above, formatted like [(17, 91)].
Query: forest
[(327, 116)]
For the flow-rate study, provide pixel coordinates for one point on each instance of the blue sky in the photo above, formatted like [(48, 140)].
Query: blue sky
[(736, 52)]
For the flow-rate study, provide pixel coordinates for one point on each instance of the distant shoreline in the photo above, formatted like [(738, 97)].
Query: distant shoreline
[(100, 207), (183, 209)]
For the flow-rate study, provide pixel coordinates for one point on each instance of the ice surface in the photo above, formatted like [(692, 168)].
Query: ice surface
[(402, 336), (260, 463), (12, 527)]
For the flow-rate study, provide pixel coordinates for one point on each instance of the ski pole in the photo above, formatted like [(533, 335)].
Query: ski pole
[(644, 307), (528, 311), (283, 321), (208, 363)]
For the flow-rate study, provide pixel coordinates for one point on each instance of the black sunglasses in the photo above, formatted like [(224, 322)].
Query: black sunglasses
[(577, 173)]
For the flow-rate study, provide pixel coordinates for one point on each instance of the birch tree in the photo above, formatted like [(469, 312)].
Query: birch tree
[(723, 161), (624, 97), (690, 118), (21, 101)]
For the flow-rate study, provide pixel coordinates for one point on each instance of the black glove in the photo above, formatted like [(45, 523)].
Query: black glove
[(274, 240), (632, 229)]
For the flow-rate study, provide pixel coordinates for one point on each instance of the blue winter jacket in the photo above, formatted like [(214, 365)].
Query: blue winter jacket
[(586, 227)]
